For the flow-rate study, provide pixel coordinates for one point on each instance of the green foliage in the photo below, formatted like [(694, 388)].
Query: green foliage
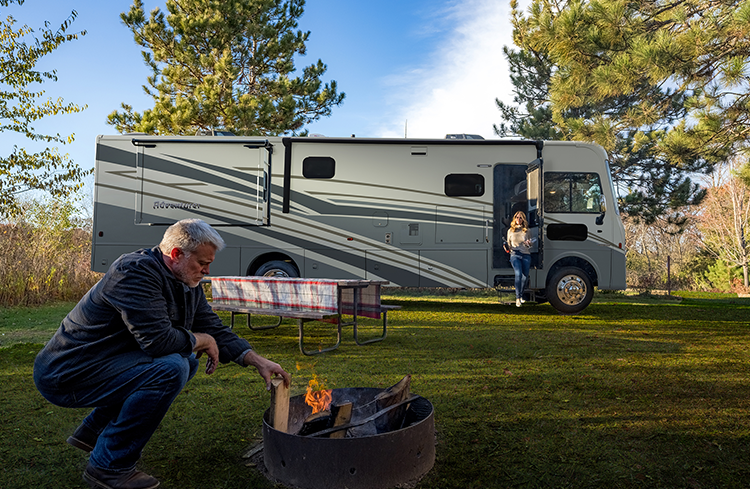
[(22, 104), (725, 219), (719, 276), (662, 87), (743, 173), (530, 73), (46, 254), (226, 64)]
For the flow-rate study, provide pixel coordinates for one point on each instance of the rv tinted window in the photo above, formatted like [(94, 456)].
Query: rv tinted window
[(567, 232), (318, 167), (572, 192), (464, 185)]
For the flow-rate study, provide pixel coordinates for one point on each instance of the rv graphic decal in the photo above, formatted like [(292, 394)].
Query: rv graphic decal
[(177, 205)]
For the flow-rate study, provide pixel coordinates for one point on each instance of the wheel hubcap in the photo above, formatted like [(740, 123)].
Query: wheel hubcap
[(571, 290), (276, 273)]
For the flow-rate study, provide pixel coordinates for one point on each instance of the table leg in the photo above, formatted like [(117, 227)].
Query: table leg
[(301, 323)]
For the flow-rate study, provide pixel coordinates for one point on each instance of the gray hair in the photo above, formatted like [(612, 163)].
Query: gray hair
[(188, 235)]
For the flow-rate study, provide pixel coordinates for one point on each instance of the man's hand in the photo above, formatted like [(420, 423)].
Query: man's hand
[(205, 343), (267, 369)]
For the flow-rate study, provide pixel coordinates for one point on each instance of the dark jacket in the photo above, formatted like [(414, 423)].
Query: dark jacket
[(138, 311)]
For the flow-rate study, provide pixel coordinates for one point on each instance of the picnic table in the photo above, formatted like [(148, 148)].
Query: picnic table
[(304, 300)]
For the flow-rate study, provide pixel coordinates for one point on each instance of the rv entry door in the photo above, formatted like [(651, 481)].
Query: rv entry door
[(534, 194), (224, 181)]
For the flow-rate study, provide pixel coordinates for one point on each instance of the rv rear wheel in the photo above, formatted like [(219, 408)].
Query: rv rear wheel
[(570, 290), (277, 268)]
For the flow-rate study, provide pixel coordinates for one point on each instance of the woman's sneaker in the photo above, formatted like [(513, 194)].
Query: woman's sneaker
[(518, 302)]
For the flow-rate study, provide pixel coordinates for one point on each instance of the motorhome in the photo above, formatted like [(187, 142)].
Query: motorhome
[(413, 212)]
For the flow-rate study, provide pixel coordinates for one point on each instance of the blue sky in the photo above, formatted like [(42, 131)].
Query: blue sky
[(421, 67)]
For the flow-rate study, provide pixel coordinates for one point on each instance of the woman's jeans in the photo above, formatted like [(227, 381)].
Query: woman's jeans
[(129, 408), (521, 263)]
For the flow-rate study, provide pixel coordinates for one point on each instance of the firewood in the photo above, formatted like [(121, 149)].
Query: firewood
[(342, 414), (279, 412), (350, 427), (390, 396), (316, 422)]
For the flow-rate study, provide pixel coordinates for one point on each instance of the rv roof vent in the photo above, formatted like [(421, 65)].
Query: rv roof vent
[(213, 132), (463, 136)]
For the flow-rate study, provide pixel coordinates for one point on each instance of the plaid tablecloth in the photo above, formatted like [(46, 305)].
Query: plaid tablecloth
[(297, 294)]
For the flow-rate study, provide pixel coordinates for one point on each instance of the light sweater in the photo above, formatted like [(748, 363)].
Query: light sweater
[(516, 239)]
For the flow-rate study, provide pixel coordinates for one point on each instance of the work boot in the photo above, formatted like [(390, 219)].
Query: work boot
[(134, 479), (83, 438)]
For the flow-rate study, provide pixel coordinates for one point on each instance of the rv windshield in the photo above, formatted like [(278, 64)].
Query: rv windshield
[(614, 205)]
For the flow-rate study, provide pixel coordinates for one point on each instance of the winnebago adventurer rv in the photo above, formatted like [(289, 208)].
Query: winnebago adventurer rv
[(417, 213)]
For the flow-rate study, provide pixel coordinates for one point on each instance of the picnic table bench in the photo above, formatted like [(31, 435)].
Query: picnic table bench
[(304, 300)]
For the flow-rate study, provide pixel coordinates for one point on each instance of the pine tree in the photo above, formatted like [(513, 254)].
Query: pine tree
[(530, 74), (668, 81), (22, 104), (226, 64)]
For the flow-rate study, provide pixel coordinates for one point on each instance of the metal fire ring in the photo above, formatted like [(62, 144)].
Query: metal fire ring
[(379, 461)]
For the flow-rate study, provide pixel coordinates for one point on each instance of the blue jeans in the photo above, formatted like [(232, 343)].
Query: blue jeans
[(128, 408), (521, 264)]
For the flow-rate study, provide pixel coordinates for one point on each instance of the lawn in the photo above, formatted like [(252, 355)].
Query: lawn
[(637, 391)]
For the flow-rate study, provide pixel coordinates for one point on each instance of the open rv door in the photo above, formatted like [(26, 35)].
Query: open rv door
[(534, 196), (219, 181)]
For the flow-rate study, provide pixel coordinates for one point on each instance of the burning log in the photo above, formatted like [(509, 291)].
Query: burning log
[(337, 415), (316, 422), (366, 421), (384, 412)]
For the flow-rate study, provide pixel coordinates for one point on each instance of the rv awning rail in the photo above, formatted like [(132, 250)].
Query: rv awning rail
[(153, 141)]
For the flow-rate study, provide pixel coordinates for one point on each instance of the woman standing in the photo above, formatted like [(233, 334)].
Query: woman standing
[(519, 241)]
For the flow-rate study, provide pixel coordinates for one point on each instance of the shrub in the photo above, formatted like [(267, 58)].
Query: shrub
[(46, 254)]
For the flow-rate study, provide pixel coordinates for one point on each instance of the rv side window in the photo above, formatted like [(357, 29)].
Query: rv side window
[(318, 167), (573, 192), (464, 185), (567, 232)]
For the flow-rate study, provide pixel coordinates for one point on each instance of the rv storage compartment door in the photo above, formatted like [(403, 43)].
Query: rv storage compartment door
[(219, 182)]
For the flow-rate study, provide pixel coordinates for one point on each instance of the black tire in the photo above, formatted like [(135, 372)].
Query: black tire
[(570, 290), (277, 268)]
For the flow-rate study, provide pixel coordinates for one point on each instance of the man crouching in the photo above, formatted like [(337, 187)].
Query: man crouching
[(132, 343)]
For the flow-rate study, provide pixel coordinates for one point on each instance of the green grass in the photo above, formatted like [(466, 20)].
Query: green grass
[(637, 391)]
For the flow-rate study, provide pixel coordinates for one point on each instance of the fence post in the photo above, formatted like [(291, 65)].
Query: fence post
[(669, 275)]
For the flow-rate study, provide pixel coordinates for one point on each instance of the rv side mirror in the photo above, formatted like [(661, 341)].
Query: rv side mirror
[(603, 208)]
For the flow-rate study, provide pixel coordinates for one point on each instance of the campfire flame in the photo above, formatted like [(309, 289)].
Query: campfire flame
[(318, 398)]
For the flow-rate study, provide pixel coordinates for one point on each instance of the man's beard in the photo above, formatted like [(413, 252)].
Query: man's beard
[(183, 276)]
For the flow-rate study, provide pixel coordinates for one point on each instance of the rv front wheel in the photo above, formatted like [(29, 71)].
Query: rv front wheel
[(570, 290), (277, 268)]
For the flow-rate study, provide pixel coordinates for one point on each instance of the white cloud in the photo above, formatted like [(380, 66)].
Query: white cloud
[(455, 91)]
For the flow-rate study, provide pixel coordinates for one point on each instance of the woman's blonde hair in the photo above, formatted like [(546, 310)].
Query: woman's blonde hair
[(524, 226)]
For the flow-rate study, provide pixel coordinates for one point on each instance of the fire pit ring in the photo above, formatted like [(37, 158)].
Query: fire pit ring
[(373, 461)]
